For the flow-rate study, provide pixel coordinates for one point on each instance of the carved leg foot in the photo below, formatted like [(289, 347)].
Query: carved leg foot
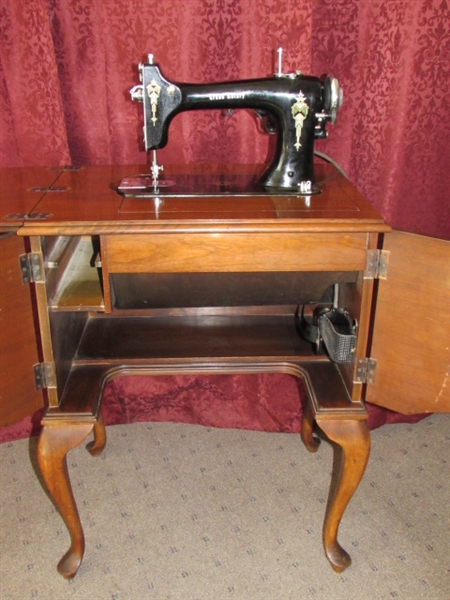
[(96, 447), (350, 459), (55, 441), (312, 443)]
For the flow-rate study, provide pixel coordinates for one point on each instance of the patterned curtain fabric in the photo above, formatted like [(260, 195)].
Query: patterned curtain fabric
[(67, 67), (392, 58)]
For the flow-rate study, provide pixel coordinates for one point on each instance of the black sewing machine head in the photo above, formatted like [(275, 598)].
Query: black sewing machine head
[(296, 107)]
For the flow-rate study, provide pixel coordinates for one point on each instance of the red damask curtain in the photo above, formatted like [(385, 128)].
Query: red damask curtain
[(67, 66), (393, 59)]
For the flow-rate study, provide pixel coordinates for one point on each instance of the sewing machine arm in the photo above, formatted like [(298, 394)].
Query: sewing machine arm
[(295, 106)]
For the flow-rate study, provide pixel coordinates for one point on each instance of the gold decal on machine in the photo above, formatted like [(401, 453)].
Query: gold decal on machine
[(299, 113), (153, 91)]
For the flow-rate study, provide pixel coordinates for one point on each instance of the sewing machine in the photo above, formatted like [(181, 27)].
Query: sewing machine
[(293, 106)]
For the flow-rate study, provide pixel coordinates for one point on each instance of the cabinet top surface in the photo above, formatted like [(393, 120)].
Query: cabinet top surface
[(48, 201)]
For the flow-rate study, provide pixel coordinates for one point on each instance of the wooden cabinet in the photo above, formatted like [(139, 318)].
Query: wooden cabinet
[(210, 284)]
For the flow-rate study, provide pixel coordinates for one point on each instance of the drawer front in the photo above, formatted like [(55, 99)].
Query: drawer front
[(233, 252)]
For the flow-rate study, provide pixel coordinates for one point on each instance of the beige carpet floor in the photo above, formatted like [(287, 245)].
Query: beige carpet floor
[(184, 512)]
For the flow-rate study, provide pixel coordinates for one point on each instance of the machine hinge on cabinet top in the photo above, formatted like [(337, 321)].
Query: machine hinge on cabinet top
[(44, 375), (366, 370), (31, 267), (376, 264)]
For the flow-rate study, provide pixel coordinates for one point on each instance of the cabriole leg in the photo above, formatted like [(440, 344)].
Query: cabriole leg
[(351, 453), (312, 443), (55, 441), (97, 445)]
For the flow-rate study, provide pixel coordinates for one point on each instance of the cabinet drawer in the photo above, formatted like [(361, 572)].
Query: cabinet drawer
[(233, 252)]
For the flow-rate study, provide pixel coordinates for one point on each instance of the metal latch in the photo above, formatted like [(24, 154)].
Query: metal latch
[(31, 267), (376, 264), (366, 370), (44, 375)]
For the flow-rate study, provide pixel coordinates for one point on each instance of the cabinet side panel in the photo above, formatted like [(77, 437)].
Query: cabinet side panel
[(18, 347), (411, 336)]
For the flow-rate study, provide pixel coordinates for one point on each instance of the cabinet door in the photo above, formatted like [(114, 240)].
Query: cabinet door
[(18, 347), (411, 335)]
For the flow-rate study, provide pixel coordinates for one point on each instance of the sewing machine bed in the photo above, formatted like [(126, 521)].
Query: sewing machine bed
[(142, 185), (188, 185), (231, 194)]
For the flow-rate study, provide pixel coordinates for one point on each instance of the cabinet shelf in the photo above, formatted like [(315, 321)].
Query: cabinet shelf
[(112, 338)]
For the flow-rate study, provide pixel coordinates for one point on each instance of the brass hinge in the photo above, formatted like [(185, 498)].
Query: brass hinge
[(44, 375), (366, 370), (31, 267), (376, 264)]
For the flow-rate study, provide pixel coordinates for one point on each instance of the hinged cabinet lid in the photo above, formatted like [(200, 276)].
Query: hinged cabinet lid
[(411, 334)]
